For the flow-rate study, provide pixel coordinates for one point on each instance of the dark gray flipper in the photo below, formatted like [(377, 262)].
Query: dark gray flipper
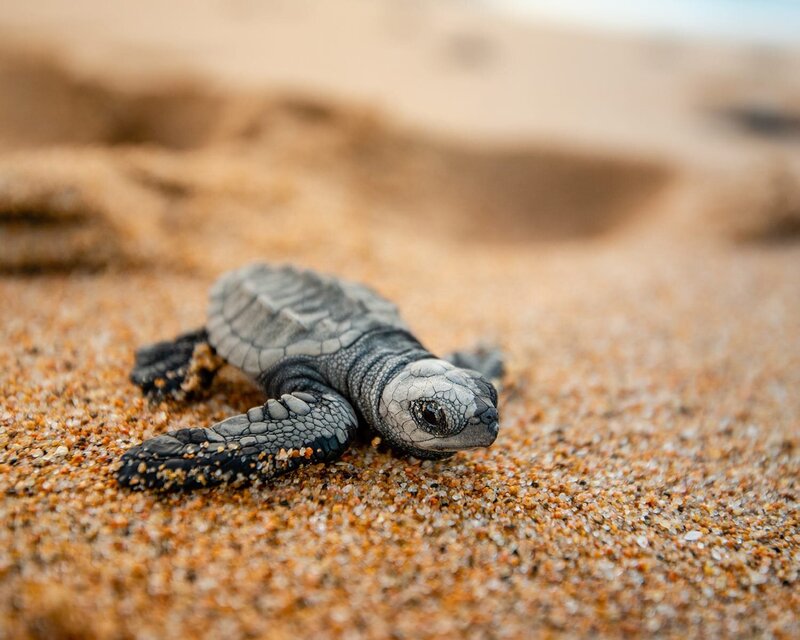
[(182, 367), (267, 441), (486, 360)]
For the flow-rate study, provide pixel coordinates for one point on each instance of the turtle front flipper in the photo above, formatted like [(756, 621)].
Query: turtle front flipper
[(267, 441), (183, 367)]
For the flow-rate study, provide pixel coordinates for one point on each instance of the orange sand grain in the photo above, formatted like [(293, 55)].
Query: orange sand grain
[(645, 474)]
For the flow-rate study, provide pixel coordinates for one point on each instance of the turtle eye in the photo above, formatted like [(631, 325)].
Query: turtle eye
[(432, 414)]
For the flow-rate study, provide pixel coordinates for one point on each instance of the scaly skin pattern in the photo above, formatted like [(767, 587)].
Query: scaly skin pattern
[(333, 357), (263, 443)]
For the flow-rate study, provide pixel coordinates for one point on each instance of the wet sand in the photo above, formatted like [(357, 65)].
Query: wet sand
[(645, 479)]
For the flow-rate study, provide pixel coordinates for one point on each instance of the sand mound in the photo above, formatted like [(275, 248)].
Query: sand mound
[(65, 209), (46, 105), (762, 207), (122, 150)]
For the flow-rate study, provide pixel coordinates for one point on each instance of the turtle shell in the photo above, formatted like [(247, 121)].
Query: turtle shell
[(260, 314)]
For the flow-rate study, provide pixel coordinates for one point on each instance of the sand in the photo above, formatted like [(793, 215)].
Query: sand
[(645, 479)]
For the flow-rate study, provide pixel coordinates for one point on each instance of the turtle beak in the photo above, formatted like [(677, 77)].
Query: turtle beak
[(481, 431), (488, 426)]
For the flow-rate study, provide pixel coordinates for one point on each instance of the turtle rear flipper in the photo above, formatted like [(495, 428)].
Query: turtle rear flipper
[(486, 359), (183, 367)]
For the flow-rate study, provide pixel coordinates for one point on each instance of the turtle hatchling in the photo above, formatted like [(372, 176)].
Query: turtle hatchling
[(333, 357)]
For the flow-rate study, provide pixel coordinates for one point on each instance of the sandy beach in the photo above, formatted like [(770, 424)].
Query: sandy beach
[(611, 211)]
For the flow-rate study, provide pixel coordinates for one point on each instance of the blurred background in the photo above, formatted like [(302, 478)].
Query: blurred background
[(608, 190), (506, 120)]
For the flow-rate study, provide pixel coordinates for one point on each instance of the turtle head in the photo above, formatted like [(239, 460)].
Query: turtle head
[(432, 409)]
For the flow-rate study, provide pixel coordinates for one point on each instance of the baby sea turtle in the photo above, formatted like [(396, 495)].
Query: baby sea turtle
[(333, 356)]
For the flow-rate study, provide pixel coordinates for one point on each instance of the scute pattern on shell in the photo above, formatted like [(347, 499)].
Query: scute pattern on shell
[(261, 313)]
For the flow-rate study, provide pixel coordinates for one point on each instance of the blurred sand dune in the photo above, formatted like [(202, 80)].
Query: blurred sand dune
[(498, 131), (105, 144), (197, 147), (445, 66)]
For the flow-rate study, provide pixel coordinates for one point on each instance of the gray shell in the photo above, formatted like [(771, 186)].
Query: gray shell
[(259, 314)]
